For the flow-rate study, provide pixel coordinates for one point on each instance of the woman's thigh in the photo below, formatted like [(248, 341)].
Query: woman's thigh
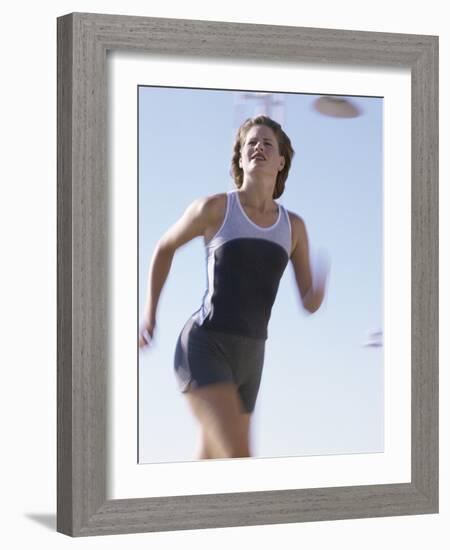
[(225, 427)]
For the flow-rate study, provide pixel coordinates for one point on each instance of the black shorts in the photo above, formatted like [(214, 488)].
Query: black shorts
[(204, 357)]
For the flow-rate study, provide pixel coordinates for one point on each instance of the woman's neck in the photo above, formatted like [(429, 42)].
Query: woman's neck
[(257, 194)]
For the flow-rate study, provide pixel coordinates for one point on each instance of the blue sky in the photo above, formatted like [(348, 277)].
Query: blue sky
[(322, 390)]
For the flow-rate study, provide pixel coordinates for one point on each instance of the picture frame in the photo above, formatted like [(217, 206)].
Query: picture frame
[(83, 508)]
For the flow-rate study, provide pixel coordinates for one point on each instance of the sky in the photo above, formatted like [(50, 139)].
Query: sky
[(322, 389)]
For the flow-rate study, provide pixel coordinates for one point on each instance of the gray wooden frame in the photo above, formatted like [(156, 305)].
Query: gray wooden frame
[(83, 41)]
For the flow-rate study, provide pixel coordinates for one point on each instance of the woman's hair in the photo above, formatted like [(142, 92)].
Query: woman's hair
[(284, 146)]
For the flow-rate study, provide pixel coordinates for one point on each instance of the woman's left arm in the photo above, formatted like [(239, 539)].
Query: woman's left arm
[(312, 291)]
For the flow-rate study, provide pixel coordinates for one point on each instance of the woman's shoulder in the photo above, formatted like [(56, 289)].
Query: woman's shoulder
[(296, 220), (213, 206), (298, 228), (215, 201)]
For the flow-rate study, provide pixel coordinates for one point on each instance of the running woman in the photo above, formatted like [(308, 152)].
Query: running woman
[(249, 240)]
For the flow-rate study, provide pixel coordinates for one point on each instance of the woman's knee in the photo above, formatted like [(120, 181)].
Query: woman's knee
[(237, 452), (220, 444), (233, 444)]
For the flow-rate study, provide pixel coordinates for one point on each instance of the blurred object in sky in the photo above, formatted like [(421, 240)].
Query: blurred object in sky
[(374, 339), (265, 103), (337, 107)]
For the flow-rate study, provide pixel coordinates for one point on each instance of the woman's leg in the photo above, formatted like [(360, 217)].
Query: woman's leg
[(224, 425), (207, 446)]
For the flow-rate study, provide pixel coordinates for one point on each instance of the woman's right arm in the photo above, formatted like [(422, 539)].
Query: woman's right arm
[(193, 223)]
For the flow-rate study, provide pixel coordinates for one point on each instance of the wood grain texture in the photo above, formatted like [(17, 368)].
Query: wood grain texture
[(83, 244), (64, 276), (424, 274), (256, 508)]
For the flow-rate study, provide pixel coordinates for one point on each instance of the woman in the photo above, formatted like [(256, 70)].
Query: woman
[(249, 240)]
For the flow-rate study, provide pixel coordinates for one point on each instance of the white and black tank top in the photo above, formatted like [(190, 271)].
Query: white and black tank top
[(244, 264)]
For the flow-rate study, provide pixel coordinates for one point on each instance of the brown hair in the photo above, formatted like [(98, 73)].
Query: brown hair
[(284, 146)]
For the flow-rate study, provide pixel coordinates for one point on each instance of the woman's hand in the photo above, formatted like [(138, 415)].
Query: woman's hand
[(320, 268), (146, 332)]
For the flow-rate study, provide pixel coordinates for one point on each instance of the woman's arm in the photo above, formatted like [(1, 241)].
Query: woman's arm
[(196, 219), (312, 291)]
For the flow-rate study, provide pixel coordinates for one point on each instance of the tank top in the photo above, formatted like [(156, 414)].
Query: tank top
[(244, 265)]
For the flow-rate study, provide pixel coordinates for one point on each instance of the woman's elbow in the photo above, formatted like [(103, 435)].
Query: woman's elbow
[(165, 248)]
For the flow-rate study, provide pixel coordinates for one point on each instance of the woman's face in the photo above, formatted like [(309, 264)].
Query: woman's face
[(260, 152)]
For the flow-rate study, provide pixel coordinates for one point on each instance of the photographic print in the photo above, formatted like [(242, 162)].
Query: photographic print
[(260, 265)]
